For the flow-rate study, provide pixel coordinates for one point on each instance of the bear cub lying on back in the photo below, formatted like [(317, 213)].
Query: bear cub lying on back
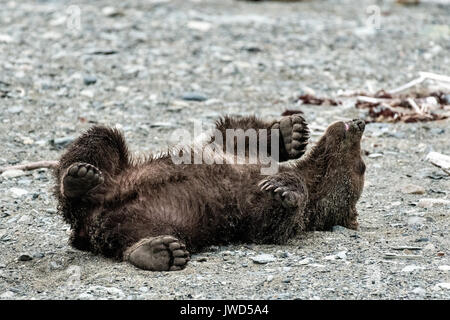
[(154, 213)]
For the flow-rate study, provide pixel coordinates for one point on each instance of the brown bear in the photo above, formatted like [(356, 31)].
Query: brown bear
[(154, 213)]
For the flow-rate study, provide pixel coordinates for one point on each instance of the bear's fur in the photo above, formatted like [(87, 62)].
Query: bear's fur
[(153, 213)]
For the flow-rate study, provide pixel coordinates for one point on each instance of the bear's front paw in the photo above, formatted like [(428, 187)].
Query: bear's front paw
[(285, 193)]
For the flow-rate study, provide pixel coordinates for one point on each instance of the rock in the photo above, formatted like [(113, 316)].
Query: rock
[(305, 261), (263, 258), (17, 192), (62, 142), (444, 268), (199, 25), (412, 189), (87, 93), (429, 203), (440, 160), (419, 291), (112, 12), (25, 257), (85, 296), (6, 38), (416, 221), (411, 268), (8, 174), (342, 255), (15, 110), (25, 219), (391, 256), (89, 79), (193, 96), (443, 285), (7, 295), (375, 155), (406, 248)]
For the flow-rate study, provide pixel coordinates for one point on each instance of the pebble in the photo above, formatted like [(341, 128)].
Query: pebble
[(305, 261), (444, 268), (411, 268), (194, 96), (62, 142), (429, 203), (25, 257), (263, 258), (25, 219), (7, 295), (87, 93), (375, 155), (17, 192), (419, 291), (412, 189), (89, 79), (443, 285), (112, 12), (390, 256), (13, 173), (199, 25), (15, 109)]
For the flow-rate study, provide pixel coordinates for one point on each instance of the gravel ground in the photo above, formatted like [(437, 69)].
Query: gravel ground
[(66, 65)]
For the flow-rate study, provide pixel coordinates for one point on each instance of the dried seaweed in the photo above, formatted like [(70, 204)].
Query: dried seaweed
[(313, 100)]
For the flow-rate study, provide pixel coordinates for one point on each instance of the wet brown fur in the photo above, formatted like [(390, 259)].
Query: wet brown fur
[(205, 205)]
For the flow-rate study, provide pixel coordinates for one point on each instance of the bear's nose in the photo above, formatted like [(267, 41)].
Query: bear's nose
[(360, 123)]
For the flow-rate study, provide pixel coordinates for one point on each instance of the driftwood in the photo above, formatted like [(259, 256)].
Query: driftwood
[(31, 166)]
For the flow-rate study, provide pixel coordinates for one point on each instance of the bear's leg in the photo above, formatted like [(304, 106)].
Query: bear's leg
[(95, 157), (294, 133), (162, 253)]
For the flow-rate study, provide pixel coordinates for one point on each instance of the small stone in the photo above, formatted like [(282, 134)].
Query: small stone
[(85, 296), (87, 93), (25, 257), (375, 155), (7, 295), (17, 192), (193, 96), (416, 221), (444, 268), (342, 255), (8, 174), (263, 258), (412, 189), (412, 268), (438, 159), (305, 261), (429, 203), (6, 38), (89, 79), (443, 285), (25, 219), (62, 142), (112, 12), (199, 25), (16, 109), (419, 291)]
